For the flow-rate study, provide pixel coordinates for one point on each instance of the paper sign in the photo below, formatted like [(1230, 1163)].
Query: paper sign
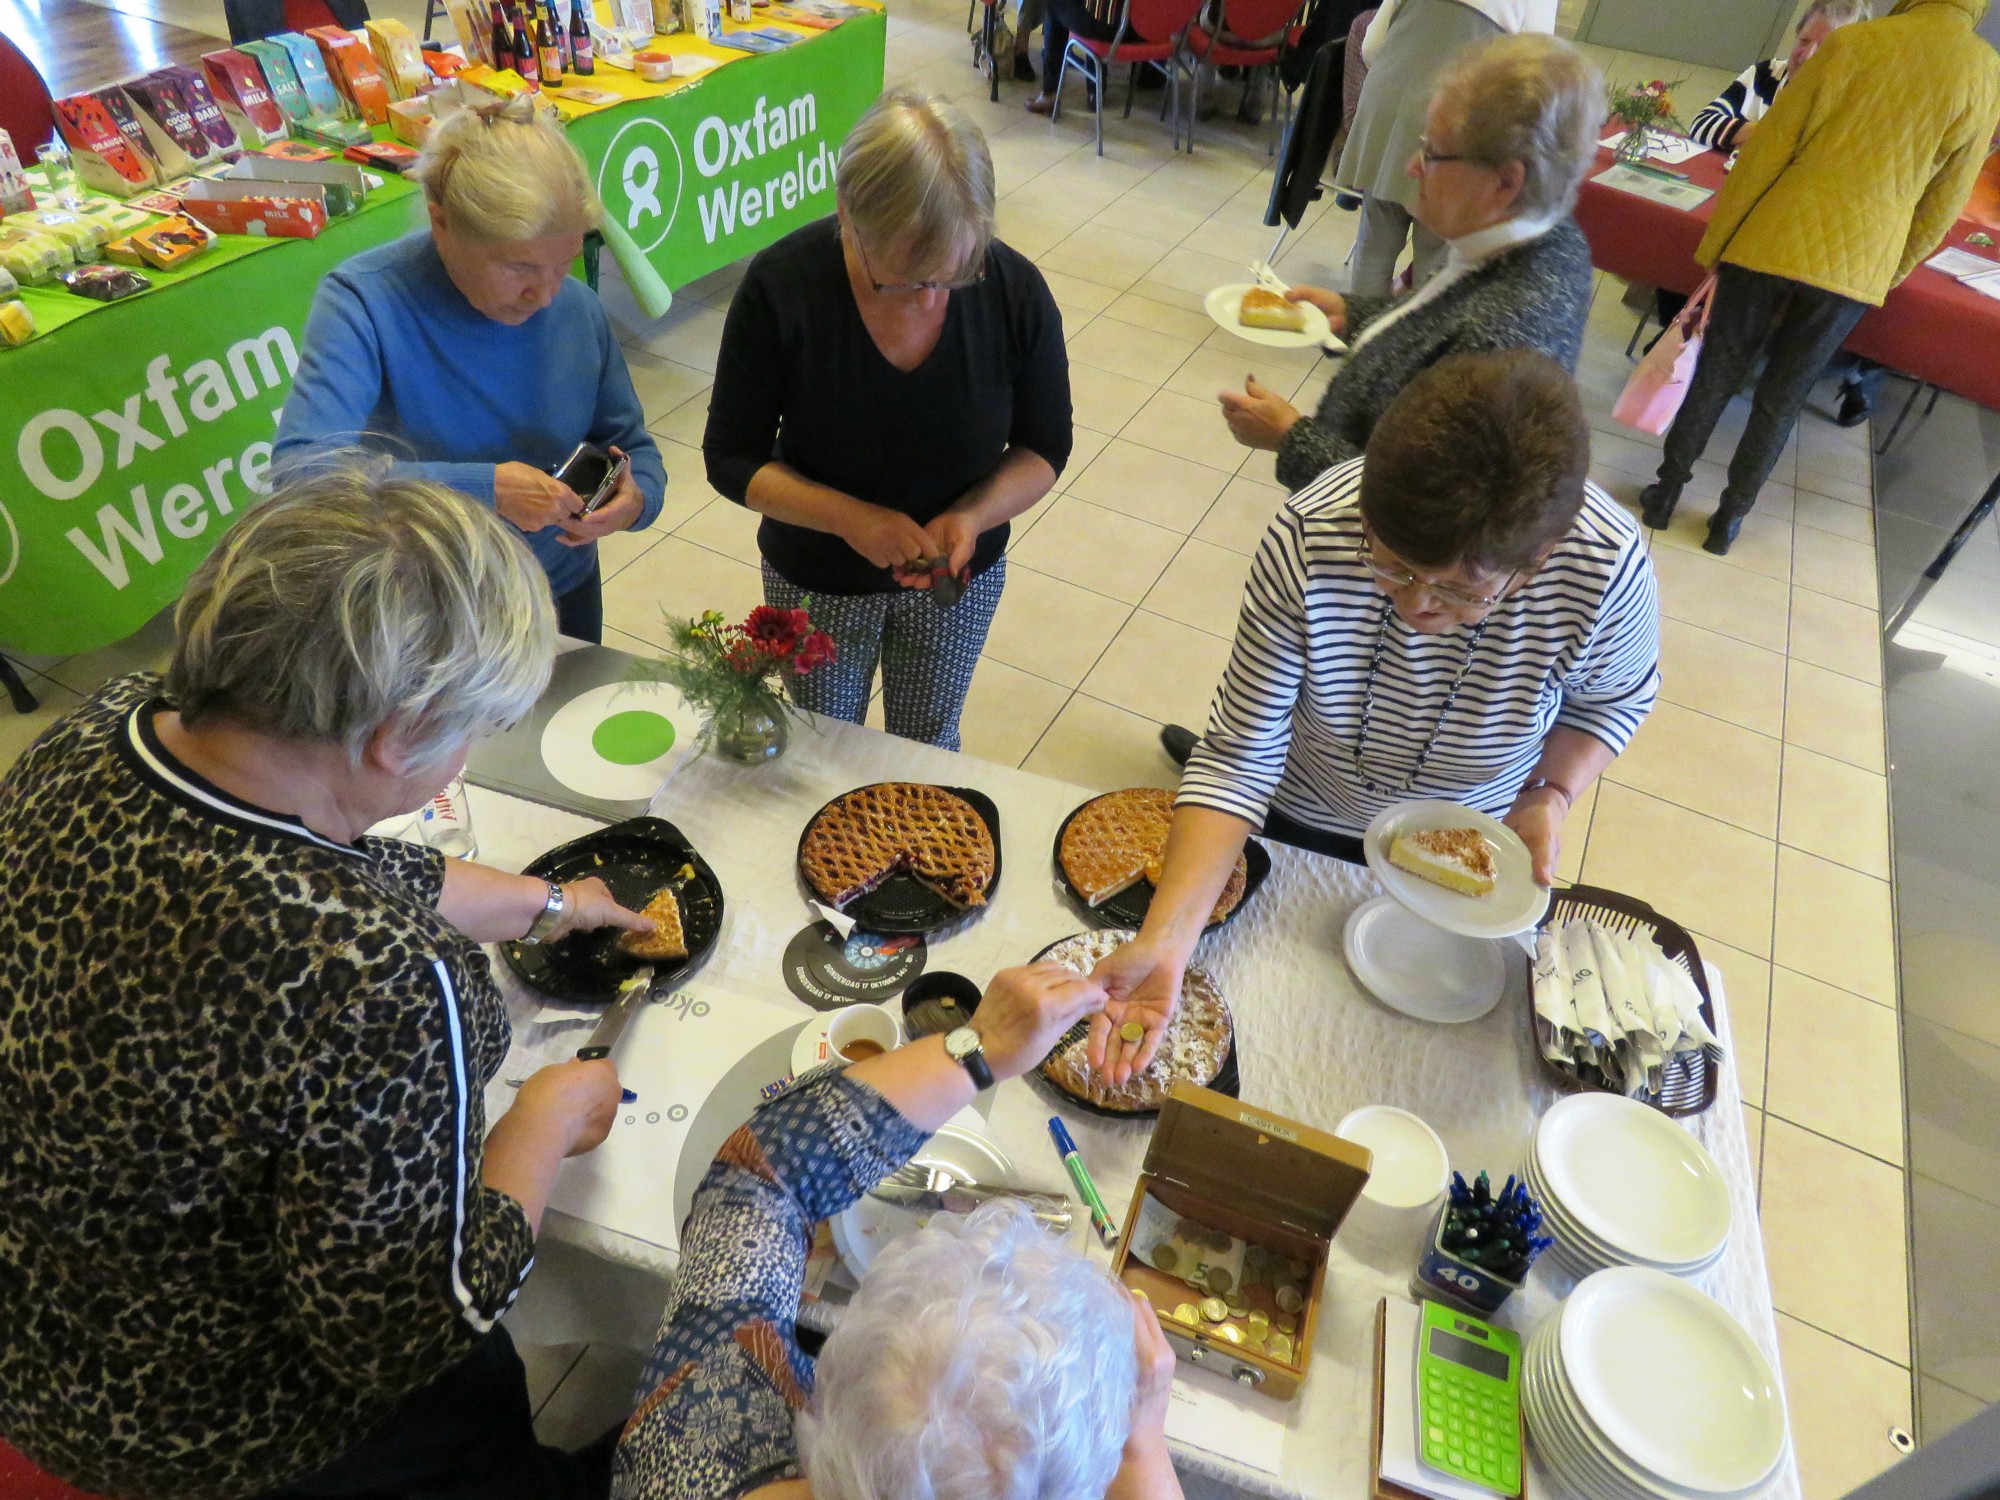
[(1219, 1416), (1641, 184), (1671, 149)]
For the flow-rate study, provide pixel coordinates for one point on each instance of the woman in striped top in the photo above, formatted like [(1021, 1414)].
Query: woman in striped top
[(1727, 120), (1458, 614)]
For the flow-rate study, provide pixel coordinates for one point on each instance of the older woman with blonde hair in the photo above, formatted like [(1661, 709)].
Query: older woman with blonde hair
[(891, 391), (473, 356), (1509, 132), (258, 1233)]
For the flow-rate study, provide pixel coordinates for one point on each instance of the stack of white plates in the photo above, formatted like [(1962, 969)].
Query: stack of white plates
[(1641, 1387), (1621, 1184)]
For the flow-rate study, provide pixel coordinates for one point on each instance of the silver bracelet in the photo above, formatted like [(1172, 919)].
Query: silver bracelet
[(550, 915)]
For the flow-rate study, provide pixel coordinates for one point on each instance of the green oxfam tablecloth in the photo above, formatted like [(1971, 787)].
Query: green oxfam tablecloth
[(136, 432)]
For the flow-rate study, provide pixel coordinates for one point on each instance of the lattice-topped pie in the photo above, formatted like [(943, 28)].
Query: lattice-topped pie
[(859, 840), (1194, 1049), (1119, 839)]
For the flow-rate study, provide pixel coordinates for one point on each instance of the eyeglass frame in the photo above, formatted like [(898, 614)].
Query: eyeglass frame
[(1403, 578), (1432, 158), (888, 288)]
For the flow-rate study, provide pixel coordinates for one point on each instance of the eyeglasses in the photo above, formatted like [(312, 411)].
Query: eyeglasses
[(1402, 578), (1432, 158), (884, 287)]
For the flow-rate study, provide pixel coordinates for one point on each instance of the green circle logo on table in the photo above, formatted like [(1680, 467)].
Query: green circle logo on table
[(634, 737)]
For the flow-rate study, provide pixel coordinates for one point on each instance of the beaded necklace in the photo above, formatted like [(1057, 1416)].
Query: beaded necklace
[(1368, 701)]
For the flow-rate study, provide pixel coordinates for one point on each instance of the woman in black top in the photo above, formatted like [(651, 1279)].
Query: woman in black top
[(891, 391)]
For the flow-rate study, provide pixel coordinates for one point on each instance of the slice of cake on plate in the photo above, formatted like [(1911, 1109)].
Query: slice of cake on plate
[(1459, 859)]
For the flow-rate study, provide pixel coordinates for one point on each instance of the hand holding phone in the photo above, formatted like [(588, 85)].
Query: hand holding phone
[(593, 473)]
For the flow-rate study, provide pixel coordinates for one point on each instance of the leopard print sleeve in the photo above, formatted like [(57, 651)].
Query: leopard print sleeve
[(417, 868), (398, 1256)]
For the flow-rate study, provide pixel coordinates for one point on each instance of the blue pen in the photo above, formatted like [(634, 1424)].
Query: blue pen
[(1072, 1159)]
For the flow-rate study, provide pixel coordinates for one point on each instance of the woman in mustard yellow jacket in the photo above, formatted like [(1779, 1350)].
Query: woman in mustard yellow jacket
[(1852, 178)]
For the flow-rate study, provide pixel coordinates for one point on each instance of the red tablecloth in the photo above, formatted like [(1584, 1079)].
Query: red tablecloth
[(1930, 327)]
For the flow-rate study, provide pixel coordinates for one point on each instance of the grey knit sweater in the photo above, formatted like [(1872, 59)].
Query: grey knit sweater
[(1534, 296)]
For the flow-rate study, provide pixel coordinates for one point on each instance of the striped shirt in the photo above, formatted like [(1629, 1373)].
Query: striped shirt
[(1577, 645), (1717, 122)]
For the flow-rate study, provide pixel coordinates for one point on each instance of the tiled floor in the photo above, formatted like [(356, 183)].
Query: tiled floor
[(1752, 807)]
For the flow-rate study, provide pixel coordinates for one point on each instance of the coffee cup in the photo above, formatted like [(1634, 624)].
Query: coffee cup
[(1389, 1224), (863, 1031)]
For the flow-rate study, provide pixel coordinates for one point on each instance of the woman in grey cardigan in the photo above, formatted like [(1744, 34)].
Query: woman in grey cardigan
[(1509, 134)]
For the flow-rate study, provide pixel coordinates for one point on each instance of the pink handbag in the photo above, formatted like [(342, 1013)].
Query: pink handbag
[(1653, 396)]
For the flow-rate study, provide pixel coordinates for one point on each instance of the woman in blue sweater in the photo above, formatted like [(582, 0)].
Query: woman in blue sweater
[(472, 354)]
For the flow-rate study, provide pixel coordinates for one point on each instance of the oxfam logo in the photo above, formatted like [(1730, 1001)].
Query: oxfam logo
[(639, 181)]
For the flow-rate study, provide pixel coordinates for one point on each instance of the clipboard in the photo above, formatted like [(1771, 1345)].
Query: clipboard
[(1389, 1489)]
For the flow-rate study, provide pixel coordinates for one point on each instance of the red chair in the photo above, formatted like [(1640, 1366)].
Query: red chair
[(21, 1480), (24, 105), (1137, 19), (1252, 34)]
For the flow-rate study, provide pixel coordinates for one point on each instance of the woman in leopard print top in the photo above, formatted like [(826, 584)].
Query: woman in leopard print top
[(247, 1209)]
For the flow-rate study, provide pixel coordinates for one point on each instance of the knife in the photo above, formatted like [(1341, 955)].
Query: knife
[(611, 1025)]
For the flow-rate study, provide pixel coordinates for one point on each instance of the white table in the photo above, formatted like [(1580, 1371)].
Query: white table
[(1311, 1043)]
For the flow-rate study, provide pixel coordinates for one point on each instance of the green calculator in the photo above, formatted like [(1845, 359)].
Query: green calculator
[(1469, 1398)]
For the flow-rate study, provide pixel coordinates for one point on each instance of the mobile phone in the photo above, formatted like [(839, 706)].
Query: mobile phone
[(593, 473)]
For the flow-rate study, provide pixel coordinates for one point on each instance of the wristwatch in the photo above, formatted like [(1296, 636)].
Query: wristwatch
[(964, 1047), (551, 914)]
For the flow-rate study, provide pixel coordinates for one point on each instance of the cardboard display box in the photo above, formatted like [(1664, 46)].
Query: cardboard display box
[(281, 77), (310, 66), (105, 158), (397, 58), (286, 210), (351, 65), (341, 182), (1256, 1177)]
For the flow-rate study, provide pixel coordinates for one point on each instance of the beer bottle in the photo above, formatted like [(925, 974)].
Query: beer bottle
[(503, 41), (525, 61), (548, 52), (582, 53)]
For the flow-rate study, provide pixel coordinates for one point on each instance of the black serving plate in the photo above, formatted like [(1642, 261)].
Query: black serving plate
[(1228, 1078), (634, 858), (1129, 907), (902, 903)]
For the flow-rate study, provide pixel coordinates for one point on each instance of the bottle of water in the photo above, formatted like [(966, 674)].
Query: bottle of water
[(446, 822)]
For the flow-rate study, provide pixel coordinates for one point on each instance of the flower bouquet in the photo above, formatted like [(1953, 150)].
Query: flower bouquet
[(1641, 110), (736, 675)]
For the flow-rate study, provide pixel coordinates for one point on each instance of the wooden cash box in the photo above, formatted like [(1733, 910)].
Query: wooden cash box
[(1217, 1166)]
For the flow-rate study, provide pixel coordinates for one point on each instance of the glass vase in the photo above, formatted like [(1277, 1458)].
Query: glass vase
[(1634, 146), (752, 733)]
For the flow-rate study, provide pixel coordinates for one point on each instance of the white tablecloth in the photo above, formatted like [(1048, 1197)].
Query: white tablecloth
[(1312, 1044)]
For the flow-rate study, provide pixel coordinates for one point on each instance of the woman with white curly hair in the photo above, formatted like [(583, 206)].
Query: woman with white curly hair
[(982, 1359)]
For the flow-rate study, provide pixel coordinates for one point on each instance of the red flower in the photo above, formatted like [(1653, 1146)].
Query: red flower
[(774, 631), (815, 650)]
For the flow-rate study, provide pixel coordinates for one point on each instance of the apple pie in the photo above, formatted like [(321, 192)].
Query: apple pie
[(1194, 1049), (863, 837)]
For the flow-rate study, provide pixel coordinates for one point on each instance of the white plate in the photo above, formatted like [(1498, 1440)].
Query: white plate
[(865, 1226), (1515, 903), (1225, 302), (1420, 969), (1634, 1179), (1672, 1381)]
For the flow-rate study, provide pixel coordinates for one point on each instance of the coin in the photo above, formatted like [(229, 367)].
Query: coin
[(1214, 1309), (1231, 1332), (1280, 1348), (1220, 1281), (1254, 1342), (1260, 1323), (1289, 1299), (1296, 1269), (1165, 1258), (1187, 1312), (1287, 1323), (1238, 1303), (1132, 1031)]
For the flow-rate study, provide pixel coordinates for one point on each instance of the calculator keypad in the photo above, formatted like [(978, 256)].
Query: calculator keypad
[(1469, 1431)]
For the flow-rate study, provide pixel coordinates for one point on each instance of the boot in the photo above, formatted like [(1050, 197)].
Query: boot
[(1179, 743), (1854, 406), (1722, 529), (1656, 504)]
